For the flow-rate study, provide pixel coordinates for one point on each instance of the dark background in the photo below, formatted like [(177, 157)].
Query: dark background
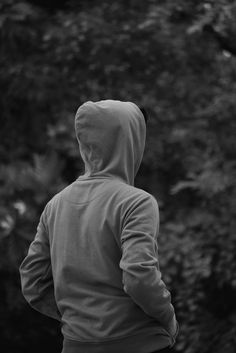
[(176, 58)]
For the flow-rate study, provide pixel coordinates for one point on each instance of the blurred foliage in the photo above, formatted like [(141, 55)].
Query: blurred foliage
[(176, 58)]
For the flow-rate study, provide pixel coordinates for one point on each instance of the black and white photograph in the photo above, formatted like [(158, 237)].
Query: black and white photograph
[(117, 176)]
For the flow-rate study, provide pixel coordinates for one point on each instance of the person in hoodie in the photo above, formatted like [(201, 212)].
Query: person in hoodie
[(93, 264)]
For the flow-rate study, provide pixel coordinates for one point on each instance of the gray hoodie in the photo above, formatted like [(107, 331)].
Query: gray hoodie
[(93, 264)]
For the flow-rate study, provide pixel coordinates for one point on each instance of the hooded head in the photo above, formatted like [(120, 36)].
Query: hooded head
[(111, 136)]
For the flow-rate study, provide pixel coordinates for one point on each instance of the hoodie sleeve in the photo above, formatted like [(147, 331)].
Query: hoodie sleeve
[(36, 274), (142, 278)]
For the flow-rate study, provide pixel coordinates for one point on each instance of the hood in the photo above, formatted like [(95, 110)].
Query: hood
[(111, 136)]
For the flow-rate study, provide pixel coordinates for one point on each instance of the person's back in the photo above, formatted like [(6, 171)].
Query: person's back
[(93, 264)]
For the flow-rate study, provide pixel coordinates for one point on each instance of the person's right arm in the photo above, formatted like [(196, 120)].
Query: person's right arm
[(142, 278)]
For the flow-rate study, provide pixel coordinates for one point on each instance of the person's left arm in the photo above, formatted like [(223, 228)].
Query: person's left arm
[(36, 274)]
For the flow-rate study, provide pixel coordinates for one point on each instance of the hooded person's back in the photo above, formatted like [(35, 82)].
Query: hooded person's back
[(93, 264)]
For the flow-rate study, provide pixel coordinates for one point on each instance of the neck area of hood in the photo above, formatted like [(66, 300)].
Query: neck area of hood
[(111, 136)]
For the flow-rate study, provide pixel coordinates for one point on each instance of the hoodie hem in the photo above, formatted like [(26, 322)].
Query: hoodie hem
[(126, 344)]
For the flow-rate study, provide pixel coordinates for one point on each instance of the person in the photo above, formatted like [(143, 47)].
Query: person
[(93, 264)]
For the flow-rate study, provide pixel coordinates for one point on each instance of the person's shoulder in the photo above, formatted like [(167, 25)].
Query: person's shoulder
[(138, 203), (56, 198), (132, 194)]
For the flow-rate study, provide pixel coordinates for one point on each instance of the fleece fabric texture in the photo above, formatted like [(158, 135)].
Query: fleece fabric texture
[(93, 264)]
